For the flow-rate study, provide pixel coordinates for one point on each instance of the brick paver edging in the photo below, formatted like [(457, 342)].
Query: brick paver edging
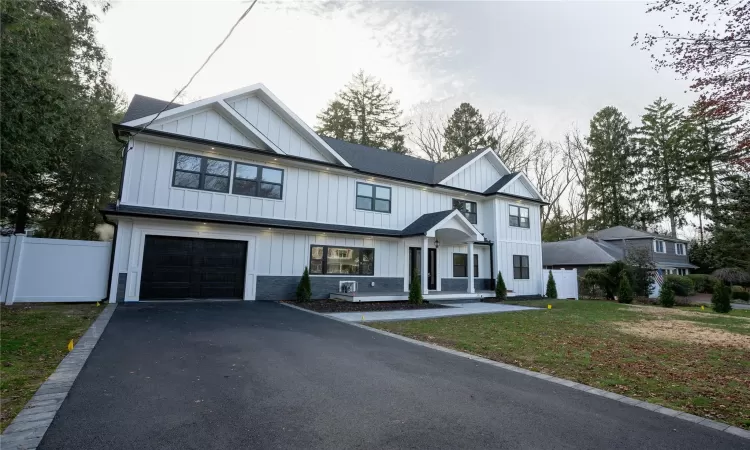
[(28, 428), (571, 384)]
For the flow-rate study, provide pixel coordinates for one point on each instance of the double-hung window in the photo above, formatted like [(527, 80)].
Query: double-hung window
[(459, 265), (679, 248), (659, 246), (258, 181), (467, 208), (200, 172), (371, 197), (519, 216), (326, 260), (520, 267)]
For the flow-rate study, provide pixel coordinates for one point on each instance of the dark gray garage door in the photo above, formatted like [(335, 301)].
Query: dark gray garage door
[(176, 268)]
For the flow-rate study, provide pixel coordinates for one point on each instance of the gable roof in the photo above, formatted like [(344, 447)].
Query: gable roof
[(425, 222), (142, 106), (582, 251), (505, 179), (621, 232)]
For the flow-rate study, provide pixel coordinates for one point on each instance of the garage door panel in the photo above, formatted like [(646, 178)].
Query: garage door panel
[(176, 267)]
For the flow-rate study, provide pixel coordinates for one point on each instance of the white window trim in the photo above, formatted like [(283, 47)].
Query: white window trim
[(663, 246), (679, 249)]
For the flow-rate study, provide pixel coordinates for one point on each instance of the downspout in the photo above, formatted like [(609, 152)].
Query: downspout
[(492, 265)]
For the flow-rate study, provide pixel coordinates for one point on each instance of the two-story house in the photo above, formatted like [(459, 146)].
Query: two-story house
[(233, 196), (600, 248)]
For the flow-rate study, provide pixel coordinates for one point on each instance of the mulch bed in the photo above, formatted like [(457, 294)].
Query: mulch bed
[(333, 306)]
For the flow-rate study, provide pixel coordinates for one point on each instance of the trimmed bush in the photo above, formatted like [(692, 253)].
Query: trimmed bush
[(666, 297), (551, 286), (703, 283), (304, 290), (680, 284), (415, 290), (721, 298), (625, 292), (501, 292), (741, 295), (591, 283)]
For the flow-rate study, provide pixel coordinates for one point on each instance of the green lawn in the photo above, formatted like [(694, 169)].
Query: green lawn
[(693, 361), (33, 341)]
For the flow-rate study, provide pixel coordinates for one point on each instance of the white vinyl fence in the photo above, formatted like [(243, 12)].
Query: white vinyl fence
[(566, 282), (53, 270)]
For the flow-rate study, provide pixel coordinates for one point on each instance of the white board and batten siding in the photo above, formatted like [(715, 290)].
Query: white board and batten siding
[(477, 176), (53, 270), (517, 187), (511, 241)]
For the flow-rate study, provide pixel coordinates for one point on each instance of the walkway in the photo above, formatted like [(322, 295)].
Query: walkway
[(456, 309)]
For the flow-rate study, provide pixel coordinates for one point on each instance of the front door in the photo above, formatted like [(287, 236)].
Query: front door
[(415, 265)]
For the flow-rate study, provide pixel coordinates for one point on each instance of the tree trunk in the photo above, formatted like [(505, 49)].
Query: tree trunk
[(700, 224), (22, 217)]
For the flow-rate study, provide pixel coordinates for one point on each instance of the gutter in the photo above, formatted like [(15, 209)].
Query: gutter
[(118, 129)]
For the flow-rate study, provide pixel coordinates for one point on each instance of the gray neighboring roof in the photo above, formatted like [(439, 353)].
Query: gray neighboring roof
[(621, 232), (579, 252), (142, 106), (500, 183), (425, 222), (417, 228)]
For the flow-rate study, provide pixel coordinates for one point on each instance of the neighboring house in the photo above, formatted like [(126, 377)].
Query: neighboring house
[(233, 196), (600, 248)]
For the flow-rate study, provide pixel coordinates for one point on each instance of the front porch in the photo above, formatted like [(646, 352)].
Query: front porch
[(403, 296)]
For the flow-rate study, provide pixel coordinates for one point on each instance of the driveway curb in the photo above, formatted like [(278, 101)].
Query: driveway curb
[(28, 428), (568, 383)]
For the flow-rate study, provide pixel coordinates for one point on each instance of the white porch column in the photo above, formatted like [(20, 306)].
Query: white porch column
[(470, 267), (424, 276)]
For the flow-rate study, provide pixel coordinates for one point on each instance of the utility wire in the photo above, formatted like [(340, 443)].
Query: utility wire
[(231, 30)]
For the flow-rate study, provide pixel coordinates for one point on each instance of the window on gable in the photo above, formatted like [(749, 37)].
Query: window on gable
[(519, 216), (200, 172), (659, 246), (459, 265), (467, 208), (326, 259), (371, 197), (679, 248), (520, 267), (258, 181)]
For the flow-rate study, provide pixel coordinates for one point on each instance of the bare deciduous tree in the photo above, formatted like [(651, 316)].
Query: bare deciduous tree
[(551, 173), (515, 141), (427, 135), (577, 155)]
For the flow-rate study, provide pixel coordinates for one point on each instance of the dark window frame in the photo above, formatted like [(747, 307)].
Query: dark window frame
[(324, 261), (460, 207), (518, 218), (373, 198), (258, 180), (475, 265), (520, 267), (202, 173)]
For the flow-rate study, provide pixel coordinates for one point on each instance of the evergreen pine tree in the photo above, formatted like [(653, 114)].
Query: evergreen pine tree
[(625, 291), (374, 116), (304, 290), (666, 296), (466, 131), (612, 170), (501, 293), (551, 286), (415, 289), (721, 297)]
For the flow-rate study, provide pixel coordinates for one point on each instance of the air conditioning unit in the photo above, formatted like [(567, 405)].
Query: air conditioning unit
[(347, 286)]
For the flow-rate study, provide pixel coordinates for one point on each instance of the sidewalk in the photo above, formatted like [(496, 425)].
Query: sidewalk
[(455, 309)]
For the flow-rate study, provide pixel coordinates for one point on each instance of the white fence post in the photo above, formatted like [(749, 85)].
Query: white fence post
[(566, 282), (12, 264)]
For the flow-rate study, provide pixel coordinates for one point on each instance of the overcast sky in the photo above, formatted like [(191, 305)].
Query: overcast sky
[(551, 64)]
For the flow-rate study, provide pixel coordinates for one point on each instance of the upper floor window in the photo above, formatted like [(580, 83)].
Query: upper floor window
[(679, 248), (520, 267), (326, 259), (258, 181), (519, 216), (372, 197), (459, 265), (467, 208), (200, 172), (659, 246)]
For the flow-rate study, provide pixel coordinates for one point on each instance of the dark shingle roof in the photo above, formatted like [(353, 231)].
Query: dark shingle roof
[(416, 228), (500, 183), (580, 252), (621, 232), (142, 106)]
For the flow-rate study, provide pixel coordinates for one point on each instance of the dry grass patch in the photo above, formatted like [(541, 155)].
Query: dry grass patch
[(684, 332)]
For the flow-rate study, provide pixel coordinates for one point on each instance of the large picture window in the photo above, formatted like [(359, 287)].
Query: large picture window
[(520, 267), (372, 197), (330, 260), (459, 265), (200, 172), (258, 181), (467, 208), (519, 216)]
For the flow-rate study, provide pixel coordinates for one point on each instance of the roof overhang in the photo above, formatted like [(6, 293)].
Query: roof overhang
[(455, 227)]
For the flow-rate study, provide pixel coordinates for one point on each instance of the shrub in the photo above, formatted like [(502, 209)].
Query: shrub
[(680, 284), (415, 290), (741, 295), (720, 299), (551, 286), (625, 292), (304, 290), (500, 290), (732, 275), (666, 297), (703, 283), (591, 282)]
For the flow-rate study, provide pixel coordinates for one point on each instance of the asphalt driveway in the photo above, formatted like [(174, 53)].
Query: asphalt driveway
[(261, 375)]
